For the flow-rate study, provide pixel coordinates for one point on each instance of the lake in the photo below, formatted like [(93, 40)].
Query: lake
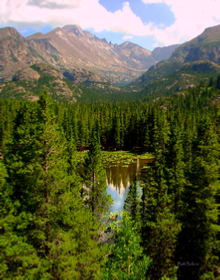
[(119, 179)]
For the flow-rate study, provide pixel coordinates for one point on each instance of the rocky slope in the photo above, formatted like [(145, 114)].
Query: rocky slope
[(190, 62), (70, 49), (80, 86), (28, 82), (15, 53), (205, 46)]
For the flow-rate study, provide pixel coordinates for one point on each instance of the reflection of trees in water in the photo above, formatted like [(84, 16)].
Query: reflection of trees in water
[(122, 177), (119, 177)]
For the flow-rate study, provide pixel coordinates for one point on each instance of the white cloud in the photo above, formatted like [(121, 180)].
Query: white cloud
[(192, 17), (127, 37), (153, 1)]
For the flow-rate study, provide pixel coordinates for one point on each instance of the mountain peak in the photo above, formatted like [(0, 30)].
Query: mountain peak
[(37, 35), (213, 29), (127, 44), (76, 29), (111, 45), (6, 32)]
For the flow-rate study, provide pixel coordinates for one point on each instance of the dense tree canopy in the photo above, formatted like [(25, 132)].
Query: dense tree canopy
[(50, 216)]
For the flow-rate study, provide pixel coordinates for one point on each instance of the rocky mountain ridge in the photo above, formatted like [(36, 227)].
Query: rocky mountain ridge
[(205, 46), (71, 49), (190, 62)]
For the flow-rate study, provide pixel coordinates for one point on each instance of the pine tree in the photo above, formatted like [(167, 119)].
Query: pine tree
[(132, 202), (198, 240), (125, 259), (159, 224), (146, 144), (17, 257), (175, 167), (55, 223), (95, 193)]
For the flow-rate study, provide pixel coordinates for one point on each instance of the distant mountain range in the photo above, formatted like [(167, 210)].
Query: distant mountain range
[(72, 50), (69, 62)]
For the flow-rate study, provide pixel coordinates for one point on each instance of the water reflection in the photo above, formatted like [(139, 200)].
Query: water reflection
[(119, 179)]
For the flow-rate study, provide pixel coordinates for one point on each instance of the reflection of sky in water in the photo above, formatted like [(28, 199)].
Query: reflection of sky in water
[(119, 179), (118, 198)]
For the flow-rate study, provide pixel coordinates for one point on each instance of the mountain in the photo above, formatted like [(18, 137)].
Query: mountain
[(15, 53), (73, 48), (70, 48), (162, 53), (205, 46), (80, 86), (190, 62), (133, 55), (28, 82)]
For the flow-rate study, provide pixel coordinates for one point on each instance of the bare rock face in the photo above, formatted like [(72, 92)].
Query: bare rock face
[(53, 80), (48, 70), (134, 55), (81, 75), (200, 56), (180, 93), (186, 86), (63, 48), (15, 53), (72, 49), (26, 74)]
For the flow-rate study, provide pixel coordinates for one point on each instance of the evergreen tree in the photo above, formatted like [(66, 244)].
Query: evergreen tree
[(18, 258), (132, 202), (146, 144), (198, 241), (159, 227), (175, 167), (159, 224), (125, 259), (95, 193)]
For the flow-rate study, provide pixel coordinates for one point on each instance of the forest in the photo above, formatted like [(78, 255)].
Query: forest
[(52, 217)]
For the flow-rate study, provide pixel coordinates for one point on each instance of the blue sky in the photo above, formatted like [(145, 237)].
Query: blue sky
[(149, 23)]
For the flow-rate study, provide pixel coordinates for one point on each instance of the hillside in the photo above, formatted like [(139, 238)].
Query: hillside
[(15, 53), (205, 46), (190, 62), (70, 48), (80, 86), (28, 82)]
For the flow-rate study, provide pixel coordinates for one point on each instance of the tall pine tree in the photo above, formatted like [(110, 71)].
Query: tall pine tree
[(95, 188)]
